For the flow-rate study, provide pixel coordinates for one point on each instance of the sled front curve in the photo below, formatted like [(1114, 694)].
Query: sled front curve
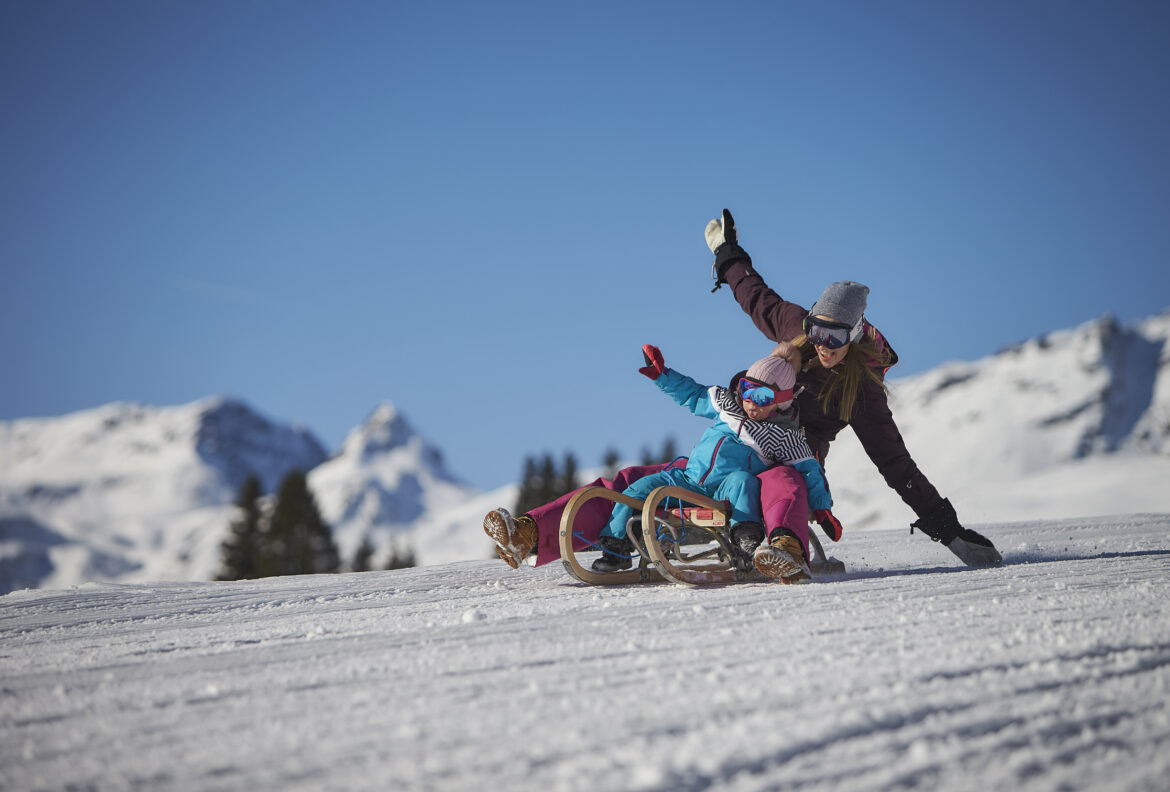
[(644, 573), (820, 564), (694, 571)]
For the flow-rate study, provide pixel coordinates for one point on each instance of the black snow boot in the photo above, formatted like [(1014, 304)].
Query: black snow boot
[(745, 538), (616, 554), (942, 525)]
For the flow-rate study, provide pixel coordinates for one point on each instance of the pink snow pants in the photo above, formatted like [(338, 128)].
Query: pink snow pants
[(783, 501)]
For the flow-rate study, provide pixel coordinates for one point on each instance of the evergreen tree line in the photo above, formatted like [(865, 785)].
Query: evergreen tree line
[(290, 538), (543, 481)]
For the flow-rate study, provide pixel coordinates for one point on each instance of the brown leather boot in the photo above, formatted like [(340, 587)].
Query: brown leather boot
[(782, 557), (514, 537)]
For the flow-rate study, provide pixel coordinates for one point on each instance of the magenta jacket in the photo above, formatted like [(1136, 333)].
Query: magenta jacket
[(871, 420)]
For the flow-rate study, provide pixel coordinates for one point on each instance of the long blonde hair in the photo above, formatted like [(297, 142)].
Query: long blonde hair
[(864, 360)]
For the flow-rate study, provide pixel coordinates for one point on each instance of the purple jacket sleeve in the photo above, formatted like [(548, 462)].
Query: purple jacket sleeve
[(874, 425), (776, 318)]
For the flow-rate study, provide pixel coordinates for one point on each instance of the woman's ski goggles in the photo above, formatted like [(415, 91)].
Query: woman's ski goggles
[(761, 394), (822, 332)]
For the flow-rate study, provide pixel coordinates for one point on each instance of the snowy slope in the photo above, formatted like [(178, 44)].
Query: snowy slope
[(908, 672)]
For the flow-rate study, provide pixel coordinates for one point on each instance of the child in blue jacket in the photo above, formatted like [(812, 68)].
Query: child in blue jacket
[(756, 426)]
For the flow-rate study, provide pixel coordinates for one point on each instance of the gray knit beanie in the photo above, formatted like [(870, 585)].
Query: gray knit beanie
[(843, 301)]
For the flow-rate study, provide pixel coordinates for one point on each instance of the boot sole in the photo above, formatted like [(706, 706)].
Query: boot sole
[(778, 564), (496, 527)]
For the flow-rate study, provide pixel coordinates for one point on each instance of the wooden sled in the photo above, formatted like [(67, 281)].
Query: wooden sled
[(687, 544)]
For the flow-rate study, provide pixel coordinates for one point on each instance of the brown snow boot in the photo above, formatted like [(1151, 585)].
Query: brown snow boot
[(514, 537), (782, 557)]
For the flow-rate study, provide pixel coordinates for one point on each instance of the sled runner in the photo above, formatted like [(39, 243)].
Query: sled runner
[(680, 536)]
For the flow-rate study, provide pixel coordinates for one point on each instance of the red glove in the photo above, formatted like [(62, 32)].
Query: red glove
[(829, 524), (654, 366)]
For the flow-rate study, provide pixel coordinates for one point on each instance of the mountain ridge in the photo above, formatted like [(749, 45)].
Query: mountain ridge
[(1069, 423)]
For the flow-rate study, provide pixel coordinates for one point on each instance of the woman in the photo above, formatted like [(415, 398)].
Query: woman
[(843, 364), (844, 361)]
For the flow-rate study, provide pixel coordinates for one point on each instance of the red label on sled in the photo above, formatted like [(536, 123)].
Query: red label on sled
[(696, 516)]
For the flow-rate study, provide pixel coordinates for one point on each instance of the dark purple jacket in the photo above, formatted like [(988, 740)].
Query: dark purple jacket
[(871, 420)]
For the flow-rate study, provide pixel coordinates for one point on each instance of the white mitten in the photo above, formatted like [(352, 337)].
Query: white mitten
[(714, 234), (724, 243)]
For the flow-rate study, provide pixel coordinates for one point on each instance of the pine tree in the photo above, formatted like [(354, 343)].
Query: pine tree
[(241, 551), (669, 453), (548, 479), (529, 495), (610, 462), (568, 477), (364, 557), (543, 482), (300, 541), (401, 559)]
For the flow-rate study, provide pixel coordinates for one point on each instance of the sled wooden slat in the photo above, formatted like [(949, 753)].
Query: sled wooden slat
[(644, 573)]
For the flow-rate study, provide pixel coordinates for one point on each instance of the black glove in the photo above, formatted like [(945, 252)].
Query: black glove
[(942, 525), (723, 240)]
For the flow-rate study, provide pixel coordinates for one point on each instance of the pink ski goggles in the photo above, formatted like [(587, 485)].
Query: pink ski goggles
[(761, 393)]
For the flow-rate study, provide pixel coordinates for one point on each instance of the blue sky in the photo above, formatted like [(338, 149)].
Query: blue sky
[(481, 211)]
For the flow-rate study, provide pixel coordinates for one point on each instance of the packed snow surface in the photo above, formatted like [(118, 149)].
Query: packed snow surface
[(1051, 672)]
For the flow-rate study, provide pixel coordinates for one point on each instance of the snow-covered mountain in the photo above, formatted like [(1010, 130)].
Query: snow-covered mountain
[(1075, 423), (130, 492), (387, 482)]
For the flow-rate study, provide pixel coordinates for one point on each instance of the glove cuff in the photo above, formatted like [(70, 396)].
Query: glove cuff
[(941, 524), (725, 255)]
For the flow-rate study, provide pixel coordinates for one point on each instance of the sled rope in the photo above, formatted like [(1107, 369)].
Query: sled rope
[(661, 533), (595, 546)]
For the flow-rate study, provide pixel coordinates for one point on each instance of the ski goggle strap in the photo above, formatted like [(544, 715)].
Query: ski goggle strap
[(762, 394), (834, 335)]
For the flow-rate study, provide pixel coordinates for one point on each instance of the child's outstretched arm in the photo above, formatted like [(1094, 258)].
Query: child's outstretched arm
[(680, 387)]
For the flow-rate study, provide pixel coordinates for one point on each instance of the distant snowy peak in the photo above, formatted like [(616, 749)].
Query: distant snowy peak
[(1098, 388), (1069, 423), (1116, 383), (125, 438), (131, 491), (383, 482), (386, 435), (384, 430), (237, 441)]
